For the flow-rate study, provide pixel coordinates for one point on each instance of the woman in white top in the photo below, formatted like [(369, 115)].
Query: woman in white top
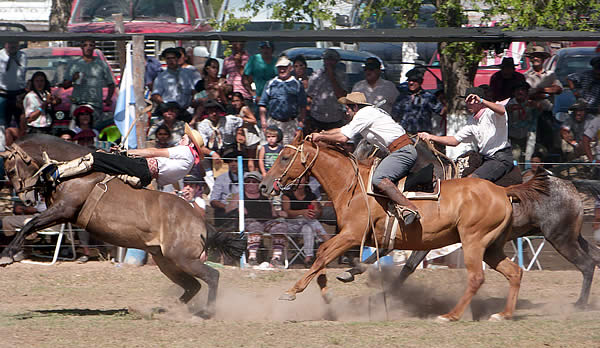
[(38, 103), (489, 133), (378, 128)]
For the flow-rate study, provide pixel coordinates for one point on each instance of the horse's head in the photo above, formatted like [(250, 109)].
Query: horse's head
[(20, 168), (293, 162)]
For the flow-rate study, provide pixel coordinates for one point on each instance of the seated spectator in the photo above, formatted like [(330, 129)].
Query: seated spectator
[(283, 101), (225, 186), (66, 134), (571, 131), (86, 137), (503, 81), (377, 90), (193, 188), (163, 136), (214, 86), (536, 160), (522, 122), (251, 131), (260, 217), (303, 210), (169, 117), (38, 104), (586, 86), (218, 130), (268, 153), (240, 146), (84, 119)]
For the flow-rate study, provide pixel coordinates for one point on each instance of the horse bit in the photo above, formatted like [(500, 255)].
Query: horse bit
[(303, 158)]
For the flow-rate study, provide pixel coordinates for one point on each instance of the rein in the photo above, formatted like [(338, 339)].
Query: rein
[(25, 185), (303, 158)]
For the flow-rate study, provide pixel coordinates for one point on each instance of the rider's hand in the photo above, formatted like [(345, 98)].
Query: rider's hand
[(314, 137), (425, 136)]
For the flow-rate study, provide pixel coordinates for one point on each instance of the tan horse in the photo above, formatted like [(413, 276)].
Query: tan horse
[(472, 211)]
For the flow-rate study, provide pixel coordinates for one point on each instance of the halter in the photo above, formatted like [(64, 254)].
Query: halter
[(303, 158), (25, 185)]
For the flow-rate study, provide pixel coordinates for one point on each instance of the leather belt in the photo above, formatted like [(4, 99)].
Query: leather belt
[(399, 143)]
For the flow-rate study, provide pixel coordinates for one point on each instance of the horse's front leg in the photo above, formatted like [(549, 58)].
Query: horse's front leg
[(328, 252), (54, 215)]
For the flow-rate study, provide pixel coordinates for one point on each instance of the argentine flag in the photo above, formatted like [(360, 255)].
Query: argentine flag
[(125, 109)]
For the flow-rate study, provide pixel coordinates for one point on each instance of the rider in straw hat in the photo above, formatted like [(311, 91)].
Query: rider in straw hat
[(166, 165), (379, 129)]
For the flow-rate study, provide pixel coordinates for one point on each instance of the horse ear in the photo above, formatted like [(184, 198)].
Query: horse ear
[(7, 152)]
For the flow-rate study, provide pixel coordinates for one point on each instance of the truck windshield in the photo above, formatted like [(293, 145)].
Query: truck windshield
[(102, 10)]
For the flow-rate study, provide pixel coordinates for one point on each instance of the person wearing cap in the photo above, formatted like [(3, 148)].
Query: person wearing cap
[(284, 101), (325, 87), (192, 192), (488, 132), (377, 90), (586, 86), (544, 83), (175, 84), (572, 130), (416, 108), (88, 75), (503, 81), (167, 166), (84, 119), (259, 69), (219, 130), (379, 129), (169, 118)]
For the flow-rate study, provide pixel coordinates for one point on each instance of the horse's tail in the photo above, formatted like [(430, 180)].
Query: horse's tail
[(230, 244), (529, 191), (587, 186)]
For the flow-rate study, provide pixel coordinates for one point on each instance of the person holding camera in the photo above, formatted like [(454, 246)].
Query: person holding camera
[(38, 104)]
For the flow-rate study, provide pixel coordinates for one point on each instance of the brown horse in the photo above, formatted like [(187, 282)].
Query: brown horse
[(162, 224), (473, 211)]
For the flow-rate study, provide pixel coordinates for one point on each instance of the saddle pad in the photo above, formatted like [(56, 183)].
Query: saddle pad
[(434, 196)]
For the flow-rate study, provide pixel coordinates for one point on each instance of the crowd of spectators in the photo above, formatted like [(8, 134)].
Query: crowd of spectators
[(259, 103)]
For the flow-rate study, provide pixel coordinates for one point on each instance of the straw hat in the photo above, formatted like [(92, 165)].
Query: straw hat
[(538, 51), (354, 98), (195, 137)]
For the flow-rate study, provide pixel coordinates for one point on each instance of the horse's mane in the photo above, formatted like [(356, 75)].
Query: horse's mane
[(530, 191)]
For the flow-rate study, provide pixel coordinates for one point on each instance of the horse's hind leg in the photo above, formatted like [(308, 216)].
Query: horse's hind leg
[(496, 259), (190, 285), (197, 268), (348, 275)]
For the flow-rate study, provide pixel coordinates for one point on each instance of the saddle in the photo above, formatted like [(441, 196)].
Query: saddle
[(420, 185)]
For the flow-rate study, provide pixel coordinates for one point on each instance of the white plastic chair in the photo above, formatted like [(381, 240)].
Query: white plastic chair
[(535, 252), (64, 228)]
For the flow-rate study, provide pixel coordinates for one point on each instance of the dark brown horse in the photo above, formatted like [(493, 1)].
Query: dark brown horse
[(558, 217), (162, 224), (470, 210)]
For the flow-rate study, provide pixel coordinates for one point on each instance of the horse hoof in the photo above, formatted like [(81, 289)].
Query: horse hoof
[(5, 261), (345, 277), (327, 297), (443, 319), (497, 317), (204, 314), (287, 297), (580, 305)]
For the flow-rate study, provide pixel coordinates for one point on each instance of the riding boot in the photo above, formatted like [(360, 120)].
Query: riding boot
[(53, 172), (407, 210)]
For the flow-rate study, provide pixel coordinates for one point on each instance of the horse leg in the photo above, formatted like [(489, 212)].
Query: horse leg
[(209, 275), (348, 275), (415, 258), (56, 214), (473, 257), (331, 249), (189, 284), (496, 259)]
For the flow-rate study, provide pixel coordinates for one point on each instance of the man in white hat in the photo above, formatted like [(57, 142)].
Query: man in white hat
[(166, 165), (284, 100), (378, 128)]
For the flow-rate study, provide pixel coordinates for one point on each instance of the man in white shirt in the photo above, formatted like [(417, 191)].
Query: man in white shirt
[(377, 90), (13, 63), (378, 128), (167, 166), (489, 133)]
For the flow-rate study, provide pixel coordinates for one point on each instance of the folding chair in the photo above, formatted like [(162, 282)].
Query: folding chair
[(535, 251), (64, 228)]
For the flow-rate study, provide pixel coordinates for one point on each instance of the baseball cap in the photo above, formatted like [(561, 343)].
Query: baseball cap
[(372, 63), (253, 175), (268, 44), (283, 61)]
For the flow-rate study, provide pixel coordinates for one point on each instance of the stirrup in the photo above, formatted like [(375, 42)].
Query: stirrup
[(406, 214)]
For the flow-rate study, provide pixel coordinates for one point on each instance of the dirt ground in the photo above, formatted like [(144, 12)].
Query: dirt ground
[(103, 304)]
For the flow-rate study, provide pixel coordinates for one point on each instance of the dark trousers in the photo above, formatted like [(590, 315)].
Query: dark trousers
[(496, 166), (117, 164)]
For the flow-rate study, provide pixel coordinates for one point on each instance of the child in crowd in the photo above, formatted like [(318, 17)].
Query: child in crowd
[(268, 153)]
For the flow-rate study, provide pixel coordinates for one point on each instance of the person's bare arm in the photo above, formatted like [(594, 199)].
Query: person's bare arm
[(331, 136), (248, 115), (587, 148), (157, 98), (109, 95), (247, 83), (263, 117), (337, 88), (447, 140), (149, 152), (261, 160)]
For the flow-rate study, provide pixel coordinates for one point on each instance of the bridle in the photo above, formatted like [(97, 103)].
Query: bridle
[(303, 158), (28, 184)]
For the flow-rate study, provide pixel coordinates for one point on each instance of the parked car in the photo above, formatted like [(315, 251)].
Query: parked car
[(565, 62), (14, 27), (53, 61), (351, 61)]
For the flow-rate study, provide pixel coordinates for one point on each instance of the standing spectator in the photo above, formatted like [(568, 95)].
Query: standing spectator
[(376, 89), (269, 152), (260, 69), (303, 210), (544, 85), (415, 109), (586, 86), (163, 137), (522, 123), (215, 87), (301, 71), (503, 81), (261, 217), (88, 75), (192, 193), (225, 187), (38, 104), (572, 130), (251, 131), (170, 112), (284, 99), (12, 84), (325, 87), (233, 69), (152, 69), (185, 60), (175, 84)]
